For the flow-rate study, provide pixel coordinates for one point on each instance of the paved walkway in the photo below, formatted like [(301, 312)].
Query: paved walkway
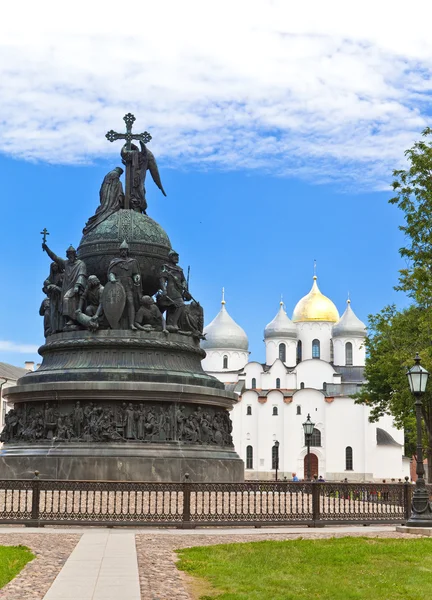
[(294, 530), (103, 566)]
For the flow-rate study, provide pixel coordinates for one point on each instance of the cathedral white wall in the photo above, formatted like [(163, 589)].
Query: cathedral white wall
[(245, 426), (341, 423), (214, 360), (307, 332), (312, 403), (272, 350), (388, 464), (226, 376), (386, 461), (313, 373), (266, 380), (277, 371), (359, 350), (346, 423), (253, 370)]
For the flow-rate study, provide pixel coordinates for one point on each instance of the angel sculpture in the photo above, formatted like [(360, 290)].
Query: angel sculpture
[(141, 161)]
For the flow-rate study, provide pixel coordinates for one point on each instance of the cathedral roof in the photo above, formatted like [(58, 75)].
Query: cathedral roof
[(281, 326), (350, 374), (315, 307), (349, 324), (224, 333), (383, 438)]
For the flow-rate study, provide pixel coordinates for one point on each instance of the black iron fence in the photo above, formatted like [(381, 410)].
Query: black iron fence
[(38, 502)]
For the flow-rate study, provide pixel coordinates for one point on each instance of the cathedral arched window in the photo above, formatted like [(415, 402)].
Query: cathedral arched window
[(275, 411), (315, 349), (302, 385), (348, 459), (275, 457), (298, 409), (282, 352), (331, 352), (253, 384), (249, 410), (299, 351), (249, 457), (348, 354), (315, 439), (277, 383), (225, 362)]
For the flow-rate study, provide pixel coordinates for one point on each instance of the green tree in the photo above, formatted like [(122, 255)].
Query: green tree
[(395, 336), (413, 189)]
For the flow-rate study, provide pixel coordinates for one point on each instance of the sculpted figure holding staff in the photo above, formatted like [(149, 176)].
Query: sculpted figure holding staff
[(74, 281)]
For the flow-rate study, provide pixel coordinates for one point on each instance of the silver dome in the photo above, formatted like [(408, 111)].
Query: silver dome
[(224, 333), (349, 325), (281, 326)]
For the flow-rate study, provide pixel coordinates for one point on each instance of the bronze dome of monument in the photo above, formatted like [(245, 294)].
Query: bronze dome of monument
[(148, 243)]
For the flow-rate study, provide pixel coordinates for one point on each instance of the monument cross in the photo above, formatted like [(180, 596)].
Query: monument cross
[(145, 137), (44, 232)]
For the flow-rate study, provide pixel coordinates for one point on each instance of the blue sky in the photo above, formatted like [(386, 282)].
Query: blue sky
[(275, 131), (257, 235)]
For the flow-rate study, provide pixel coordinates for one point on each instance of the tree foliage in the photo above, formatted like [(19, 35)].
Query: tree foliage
[(413, 188), (395, 336)]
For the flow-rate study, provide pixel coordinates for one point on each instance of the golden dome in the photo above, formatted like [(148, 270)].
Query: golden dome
[(315, 307)]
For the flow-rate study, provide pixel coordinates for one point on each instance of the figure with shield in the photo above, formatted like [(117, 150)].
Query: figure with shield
[(124, 284)]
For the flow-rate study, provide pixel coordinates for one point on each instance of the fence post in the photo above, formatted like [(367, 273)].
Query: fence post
[(316, 489), (186, 517), (35, 501), (407, 498)]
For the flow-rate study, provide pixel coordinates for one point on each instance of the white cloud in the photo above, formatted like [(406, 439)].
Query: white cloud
[(6, 346), (324, 90)]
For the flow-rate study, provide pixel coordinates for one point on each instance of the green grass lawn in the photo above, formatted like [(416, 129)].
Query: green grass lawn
[(12, 560), (334, 569)]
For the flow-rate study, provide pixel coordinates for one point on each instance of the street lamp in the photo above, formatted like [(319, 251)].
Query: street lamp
[(421, 512), (276, 445), (308, 428)]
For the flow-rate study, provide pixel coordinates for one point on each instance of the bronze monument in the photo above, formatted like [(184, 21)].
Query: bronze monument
[(120, 393)]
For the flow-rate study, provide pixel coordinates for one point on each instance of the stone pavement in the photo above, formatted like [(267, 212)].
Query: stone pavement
[(294, 530), (132, 563), (102, 566)]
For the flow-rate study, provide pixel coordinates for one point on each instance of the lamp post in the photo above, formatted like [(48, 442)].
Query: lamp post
[(276, 445), (421, 512), (308, 428)]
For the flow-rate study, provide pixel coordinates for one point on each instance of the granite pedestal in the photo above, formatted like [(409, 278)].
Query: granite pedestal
[(120, 405)]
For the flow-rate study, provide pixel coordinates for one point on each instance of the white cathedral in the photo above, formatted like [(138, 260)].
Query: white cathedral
[(314, 363)]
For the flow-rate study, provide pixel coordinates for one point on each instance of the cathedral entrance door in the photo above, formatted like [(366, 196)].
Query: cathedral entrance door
[(313, 465)]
